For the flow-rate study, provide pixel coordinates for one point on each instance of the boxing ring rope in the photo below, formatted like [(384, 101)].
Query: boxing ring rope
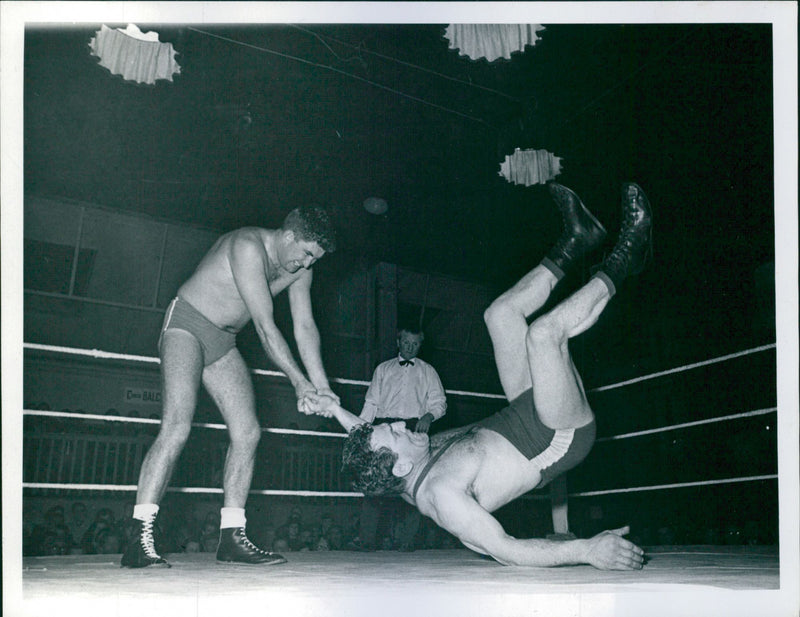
[(673, 427), (96, 353), (636, 489), (680, 369), (289, 431), (92, 416), (185, 490), (100, 354), (110, 355)]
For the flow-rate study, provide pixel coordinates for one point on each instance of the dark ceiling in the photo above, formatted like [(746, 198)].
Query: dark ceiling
[(265, 118)]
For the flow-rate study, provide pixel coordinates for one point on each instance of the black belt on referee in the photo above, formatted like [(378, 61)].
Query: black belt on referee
[(411, 423)]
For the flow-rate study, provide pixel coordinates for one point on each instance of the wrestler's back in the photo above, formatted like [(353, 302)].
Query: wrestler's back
[(212, 290)]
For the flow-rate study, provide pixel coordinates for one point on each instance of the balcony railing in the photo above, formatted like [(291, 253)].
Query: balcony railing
[(283, 462)]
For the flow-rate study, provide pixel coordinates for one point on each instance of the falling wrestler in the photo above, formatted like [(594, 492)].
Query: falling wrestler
[(459, 477)]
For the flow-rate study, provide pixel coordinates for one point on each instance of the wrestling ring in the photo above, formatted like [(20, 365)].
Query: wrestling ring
[(711, 538)]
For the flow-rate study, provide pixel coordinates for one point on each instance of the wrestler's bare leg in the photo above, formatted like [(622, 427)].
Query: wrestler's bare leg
[(229, 383), (558, 392), (181, 368), (506, 320)]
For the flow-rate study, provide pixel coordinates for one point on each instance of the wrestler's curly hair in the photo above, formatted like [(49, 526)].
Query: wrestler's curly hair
[(371, 469), (312, 224)]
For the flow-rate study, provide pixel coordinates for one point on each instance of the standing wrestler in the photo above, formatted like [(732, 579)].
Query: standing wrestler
[(233, 284), (459, 477)]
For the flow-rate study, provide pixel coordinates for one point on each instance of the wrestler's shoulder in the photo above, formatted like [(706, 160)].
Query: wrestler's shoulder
[(248, 234)]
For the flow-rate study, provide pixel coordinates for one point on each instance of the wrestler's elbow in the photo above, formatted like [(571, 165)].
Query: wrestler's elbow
[(490, 549)]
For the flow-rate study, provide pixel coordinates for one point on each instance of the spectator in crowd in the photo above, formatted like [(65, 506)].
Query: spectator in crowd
[(326, 522), (108, 542), (306, 541), (54, 516), (56, 541), (335, 538), (184, 528), (268, 535), (314, 534), (280, 544), (295, 516), (293, 536), (103, 520), (33, 530), (78, 523)]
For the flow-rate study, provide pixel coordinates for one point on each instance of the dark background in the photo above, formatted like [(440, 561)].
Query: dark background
[(243, 134)]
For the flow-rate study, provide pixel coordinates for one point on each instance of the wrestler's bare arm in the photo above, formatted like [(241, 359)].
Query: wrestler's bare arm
[(330, 407), (306, 332), (460, 514), (248, 260)]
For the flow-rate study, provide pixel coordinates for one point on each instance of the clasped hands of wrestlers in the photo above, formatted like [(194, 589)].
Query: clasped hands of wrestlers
[(316, 402), (323, 403)]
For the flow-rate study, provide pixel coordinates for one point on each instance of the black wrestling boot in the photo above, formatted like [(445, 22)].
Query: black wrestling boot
[(635, 244), (141, 551), (234, 547), (581, 233)]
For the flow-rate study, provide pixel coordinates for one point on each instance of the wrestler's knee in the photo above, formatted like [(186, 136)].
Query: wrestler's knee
[(174, 435), (544, 331), (245, 437), (497, 314)]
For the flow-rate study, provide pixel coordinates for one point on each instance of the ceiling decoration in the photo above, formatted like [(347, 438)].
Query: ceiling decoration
[(491, 41), (529, 167), (133, 54)]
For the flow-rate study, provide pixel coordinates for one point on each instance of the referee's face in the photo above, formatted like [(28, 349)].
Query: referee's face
[(409, 344)]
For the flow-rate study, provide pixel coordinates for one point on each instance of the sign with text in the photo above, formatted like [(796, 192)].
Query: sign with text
[(144, 396)]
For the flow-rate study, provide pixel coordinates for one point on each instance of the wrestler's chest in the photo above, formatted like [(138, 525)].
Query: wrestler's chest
[(504, 475)]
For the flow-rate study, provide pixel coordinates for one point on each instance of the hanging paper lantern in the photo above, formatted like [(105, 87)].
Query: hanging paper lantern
[(134, 55), (491, 41), (529, 167), (375, 205)]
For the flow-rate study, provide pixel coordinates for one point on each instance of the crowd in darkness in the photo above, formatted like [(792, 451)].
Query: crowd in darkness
[(70, 529)]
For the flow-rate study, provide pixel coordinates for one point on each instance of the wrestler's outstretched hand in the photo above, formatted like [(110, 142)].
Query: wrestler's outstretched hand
[(327, 404), (307, 398), (608, 550), (329, 393)]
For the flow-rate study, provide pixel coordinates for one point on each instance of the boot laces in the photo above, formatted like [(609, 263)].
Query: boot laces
[(147, 541), (631, 237), (252, 546)]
